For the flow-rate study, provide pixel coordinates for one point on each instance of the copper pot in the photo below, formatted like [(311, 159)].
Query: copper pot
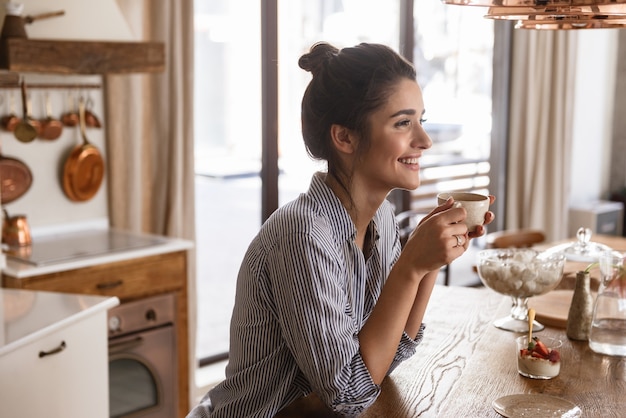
[(71, 117), (84, 168), (9, 122), (15, 179), (91, 120), (50, 128), (15, 231)]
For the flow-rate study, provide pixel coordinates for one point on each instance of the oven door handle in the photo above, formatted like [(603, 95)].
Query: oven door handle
[(127, 343)]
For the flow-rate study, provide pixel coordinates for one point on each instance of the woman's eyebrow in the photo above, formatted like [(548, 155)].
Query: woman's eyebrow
[(404, 112)]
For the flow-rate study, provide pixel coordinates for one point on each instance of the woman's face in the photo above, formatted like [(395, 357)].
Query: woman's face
[(397, 141)]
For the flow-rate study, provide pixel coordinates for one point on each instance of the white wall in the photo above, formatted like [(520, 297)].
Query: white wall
[(83, 20), (45, 204), (593, 115)]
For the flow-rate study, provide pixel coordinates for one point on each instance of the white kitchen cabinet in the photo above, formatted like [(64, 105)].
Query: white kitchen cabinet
[(131, 272), (54, 355)]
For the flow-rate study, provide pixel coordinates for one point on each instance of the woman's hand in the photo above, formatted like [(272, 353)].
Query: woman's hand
[(438, 239), (441, 236), (489, 217), (480, 229)]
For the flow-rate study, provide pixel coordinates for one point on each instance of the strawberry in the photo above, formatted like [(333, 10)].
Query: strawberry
[(554, 356), (541, 348), (536, 348)]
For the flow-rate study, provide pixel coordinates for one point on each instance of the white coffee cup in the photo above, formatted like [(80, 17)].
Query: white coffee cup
[(476, 205)]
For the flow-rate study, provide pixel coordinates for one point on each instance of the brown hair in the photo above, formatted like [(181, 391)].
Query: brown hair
[(348, 85)]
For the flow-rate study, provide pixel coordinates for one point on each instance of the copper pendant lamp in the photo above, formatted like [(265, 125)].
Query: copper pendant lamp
[(554, 14), (534, 3)]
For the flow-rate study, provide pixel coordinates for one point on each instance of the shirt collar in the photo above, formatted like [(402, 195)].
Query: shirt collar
[(330, 204)]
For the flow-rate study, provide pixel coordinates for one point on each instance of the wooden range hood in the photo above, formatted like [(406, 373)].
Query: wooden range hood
[(81, 57)]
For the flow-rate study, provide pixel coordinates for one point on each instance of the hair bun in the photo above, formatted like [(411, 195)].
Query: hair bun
[(317, 57)]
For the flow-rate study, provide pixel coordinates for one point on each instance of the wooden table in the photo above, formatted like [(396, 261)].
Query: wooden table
[(464, 363)]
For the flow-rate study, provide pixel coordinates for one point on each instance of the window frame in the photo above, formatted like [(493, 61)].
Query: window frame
[(270, 96)]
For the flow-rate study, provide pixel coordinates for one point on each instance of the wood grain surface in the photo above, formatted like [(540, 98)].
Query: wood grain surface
[(596, 383), (464, 363)]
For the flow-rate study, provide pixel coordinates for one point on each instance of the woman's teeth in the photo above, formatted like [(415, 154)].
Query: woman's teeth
[(409, 160)]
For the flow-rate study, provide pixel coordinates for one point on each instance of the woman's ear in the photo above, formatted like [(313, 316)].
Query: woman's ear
[(343, 139)]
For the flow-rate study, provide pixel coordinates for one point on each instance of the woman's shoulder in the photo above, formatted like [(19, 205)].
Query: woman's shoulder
[(299, 215), (321, 218)]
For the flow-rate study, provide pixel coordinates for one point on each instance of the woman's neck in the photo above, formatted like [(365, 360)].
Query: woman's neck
[(359, 203)]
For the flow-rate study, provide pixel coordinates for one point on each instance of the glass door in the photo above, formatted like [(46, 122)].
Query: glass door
[(453, 48), (227, 133)]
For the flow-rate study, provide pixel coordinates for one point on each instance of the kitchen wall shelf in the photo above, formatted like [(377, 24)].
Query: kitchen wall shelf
[(59, 86), (9, 79), (81, 57)]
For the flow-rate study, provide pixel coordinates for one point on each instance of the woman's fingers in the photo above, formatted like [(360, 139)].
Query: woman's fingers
[(489, 217), (441, 208)]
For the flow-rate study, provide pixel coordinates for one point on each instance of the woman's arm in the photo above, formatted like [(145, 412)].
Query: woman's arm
[(405, 295), (406, 292), (428, 282), (381, 334), (416, 317)]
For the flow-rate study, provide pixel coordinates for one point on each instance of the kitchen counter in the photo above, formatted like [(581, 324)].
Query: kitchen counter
[(80, 249), (111, 263), (27, 315), (53, 348)]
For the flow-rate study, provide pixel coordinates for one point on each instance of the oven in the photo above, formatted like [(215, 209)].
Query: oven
[(142, 358)]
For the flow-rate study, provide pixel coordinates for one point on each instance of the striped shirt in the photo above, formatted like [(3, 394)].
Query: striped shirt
[(304, 291)]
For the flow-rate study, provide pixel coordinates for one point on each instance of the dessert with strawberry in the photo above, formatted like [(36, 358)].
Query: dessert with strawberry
[(537, 359)]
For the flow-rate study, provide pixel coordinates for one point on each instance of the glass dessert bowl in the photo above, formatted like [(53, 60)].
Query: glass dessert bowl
[(539, 359), (519, 273)]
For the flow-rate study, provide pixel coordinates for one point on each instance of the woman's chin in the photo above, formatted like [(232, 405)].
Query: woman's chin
[(410, 185)]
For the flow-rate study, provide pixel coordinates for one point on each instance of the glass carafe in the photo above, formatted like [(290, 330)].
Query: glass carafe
[(608, 327)]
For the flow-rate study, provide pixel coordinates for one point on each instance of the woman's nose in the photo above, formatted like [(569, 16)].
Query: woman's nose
[(422, 139)]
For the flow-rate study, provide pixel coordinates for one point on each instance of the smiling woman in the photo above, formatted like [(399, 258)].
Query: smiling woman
[(228, 141), (331, 259)]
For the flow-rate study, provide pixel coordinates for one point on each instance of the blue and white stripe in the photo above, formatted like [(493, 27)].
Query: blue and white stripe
[(303, 293)]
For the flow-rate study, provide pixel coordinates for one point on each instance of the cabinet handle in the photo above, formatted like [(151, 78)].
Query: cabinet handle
[(109, 285), (60, 348)]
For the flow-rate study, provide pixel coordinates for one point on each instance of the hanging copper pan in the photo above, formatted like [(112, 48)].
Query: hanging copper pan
[(15, 179), (50, 128), (91, 119), (70, 118), (84, 168), (9, 122)]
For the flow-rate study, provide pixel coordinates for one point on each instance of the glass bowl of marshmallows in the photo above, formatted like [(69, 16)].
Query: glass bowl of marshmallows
[(519, 273)]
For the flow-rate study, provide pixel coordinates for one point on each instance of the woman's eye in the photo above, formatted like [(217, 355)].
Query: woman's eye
[(404, 122), (423, 121)]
